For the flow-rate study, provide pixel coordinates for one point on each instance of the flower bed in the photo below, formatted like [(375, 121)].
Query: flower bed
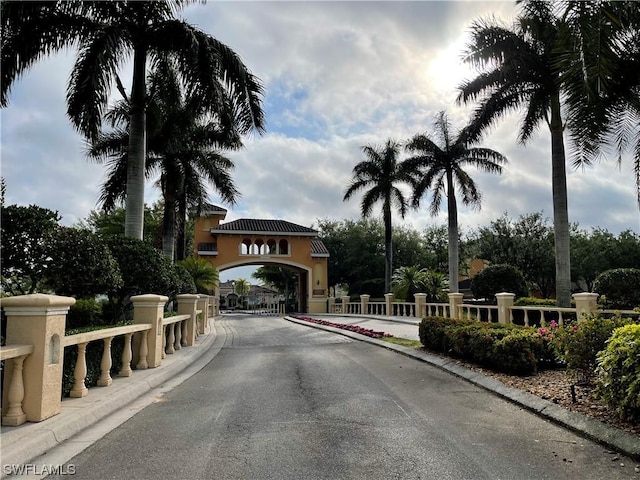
[(352, 328)]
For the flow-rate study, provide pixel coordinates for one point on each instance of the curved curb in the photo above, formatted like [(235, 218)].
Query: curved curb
[(610, 437)]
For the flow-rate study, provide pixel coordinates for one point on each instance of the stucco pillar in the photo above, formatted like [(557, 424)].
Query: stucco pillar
[(388, 303), (345, 304), (331, 304), (505, 302), (421, 302), (364, 304), (149, 309), (586, 304), (187, 305), (455, 299), (37, 320), (203, 304)]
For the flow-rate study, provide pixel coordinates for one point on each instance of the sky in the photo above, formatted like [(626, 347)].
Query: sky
[(337, 76)]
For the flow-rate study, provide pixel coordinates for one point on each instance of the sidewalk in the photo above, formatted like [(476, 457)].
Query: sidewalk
[(610, 437), (19, 445)]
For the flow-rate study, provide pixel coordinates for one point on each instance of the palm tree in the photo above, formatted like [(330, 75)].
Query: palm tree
[(109, 32), (242, 287), (182, 144), (204, 275), (521, 73), (407, 281), (381, 174), (439, 168), (601, 78)]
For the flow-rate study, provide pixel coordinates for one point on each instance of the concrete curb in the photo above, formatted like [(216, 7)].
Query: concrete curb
[(21, 444), (610, 437)]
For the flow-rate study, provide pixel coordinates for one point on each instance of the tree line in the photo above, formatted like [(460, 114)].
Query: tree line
[(357, 258)]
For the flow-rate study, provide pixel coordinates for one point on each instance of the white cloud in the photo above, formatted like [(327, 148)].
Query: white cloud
[(338, 75)]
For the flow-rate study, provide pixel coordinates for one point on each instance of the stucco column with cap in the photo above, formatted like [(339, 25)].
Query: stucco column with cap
[(586, 304), (505, 302), (364, 304), (203, 304), (421, 303), (37, 320), (149, 309), (455, 300), (187, 305), (388, 303)]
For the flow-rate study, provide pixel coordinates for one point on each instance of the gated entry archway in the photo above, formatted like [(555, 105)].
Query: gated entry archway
[(266, 242)]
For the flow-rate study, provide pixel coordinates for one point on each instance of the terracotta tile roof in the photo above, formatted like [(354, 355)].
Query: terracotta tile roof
[(318, 249), (249, 225)]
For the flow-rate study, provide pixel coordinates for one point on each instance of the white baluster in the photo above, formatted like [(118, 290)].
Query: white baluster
[(171, 340), (144, 351), (15, 415), (105, 364), (79, 389), (125, 370)]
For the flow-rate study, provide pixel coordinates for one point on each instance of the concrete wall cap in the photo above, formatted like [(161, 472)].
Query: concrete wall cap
[(37, 300), (149, 298), (187, 296)]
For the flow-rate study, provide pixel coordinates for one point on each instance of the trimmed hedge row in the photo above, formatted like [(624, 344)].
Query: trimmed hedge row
[(505, 348)]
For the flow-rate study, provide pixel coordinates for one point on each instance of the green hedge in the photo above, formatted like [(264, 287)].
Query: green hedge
[(505, 348), (619, 372)]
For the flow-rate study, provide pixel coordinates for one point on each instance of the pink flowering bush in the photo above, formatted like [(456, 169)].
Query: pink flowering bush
[(352, 328)]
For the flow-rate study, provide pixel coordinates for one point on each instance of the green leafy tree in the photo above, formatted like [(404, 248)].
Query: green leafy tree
[(438, 168), (108, 32), (24, 248), (204, 275), (380, 176), (356, 254), (525, 243), (144, 269), (81, 265), (108, 223), (520, 73), (283, 280)]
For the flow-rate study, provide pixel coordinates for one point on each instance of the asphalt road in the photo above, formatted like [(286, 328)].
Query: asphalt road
[(285, 401)]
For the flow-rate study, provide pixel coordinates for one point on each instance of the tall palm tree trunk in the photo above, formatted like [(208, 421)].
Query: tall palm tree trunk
[(388, 247), (560, 207), (452, 232), (181, 240), (169, 227), (134, 215)]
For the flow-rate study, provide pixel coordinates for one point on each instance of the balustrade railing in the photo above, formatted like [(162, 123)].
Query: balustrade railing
[(17, 354), (36, 327), (486, 313), (81, 340)]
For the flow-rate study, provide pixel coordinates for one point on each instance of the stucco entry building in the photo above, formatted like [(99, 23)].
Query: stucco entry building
[(266, 242)]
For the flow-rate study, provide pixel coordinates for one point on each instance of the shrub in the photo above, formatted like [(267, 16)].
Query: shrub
[(81, 264), (498, 278), (85, 312), (184, 280), (506, 348), (578, 345), (144, 269), (619, 372), (620, 286)]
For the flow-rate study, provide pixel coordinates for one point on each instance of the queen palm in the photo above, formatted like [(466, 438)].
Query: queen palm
[(520, 72), (183, 142), (380, 173), (438, 168), (108, 33)]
